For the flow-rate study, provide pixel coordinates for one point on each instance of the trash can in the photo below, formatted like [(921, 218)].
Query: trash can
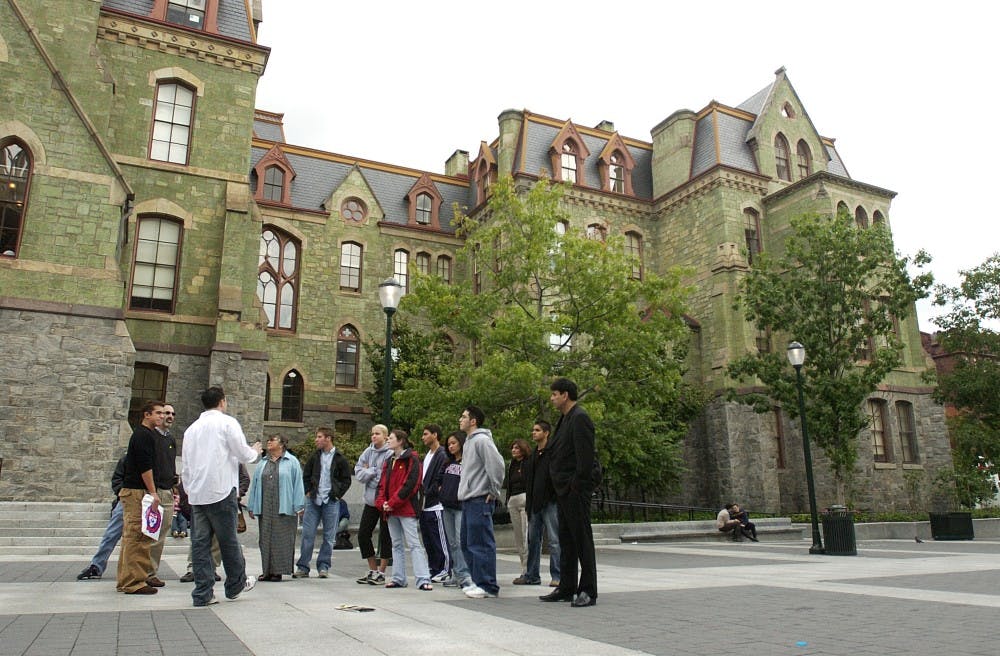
[(838, 532), (952, 526)]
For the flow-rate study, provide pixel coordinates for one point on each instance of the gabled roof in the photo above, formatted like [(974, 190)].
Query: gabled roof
[(319, 174), (538, 132)]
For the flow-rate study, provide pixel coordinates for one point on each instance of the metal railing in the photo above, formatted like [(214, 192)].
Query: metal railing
[(608, 510)]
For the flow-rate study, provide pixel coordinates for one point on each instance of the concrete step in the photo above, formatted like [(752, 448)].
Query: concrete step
[(33, 530), (85, 553), (53, 506)]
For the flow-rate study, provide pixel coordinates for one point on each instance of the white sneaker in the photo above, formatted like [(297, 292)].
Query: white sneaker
[(247, 587), (440, 577), (475, 592)]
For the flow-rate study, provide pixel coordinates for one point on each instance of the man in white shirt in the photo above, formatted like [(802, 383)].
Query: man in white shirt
[(214, 445)]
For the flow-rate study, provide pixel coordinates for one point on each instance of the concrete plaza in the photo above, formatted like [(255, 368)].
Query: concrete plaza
[(713, 597)]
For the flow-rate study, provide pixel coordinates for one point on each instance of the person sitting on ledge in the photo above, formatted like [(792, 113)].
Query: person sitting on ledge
[(725, 522), (748, 528)]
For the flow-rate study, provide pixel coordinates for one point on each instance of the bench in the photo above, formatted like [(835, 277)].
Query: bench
[(768, 529)]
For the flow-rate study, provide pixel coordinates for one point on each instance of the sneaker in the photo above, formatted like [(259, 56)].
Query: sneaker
[(188, 578), (89, 572), (324, 574), (378, 579), (475, 592), (440, 577), (524, 580), (247, 587), (211, 602), (450, 582), (300, 574), (364, 580)]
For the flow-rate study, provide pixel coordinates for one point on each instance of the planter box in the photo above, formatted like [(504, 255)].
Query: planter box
[(952, 526)]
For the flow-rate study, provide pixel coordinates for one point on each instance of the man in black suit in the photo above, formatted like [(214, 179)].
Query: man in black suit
[(571, 467)]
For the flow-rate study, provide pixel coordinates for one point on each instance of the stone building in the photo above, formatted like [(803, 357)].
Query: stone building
[(160, 235)]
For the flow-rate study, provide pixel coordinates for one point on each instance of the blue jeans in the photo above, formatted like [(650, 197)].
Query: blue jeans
[(547, 517), (218, 519), (406, 529), (179, 524), (453, 529), (329, 514), (478, 544), (112, 534)]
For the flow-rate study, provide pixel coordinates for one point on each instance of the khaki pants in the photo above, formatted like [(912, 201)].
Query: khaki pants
[(134, 562), (167, 508)]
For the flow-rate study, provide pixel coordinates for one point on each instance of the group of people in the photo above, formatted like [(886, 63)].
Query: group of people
[(215, 447), (433, 512)]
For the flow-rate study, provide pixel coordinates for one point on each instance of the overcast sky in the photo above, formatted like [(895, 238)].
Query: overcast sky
[(905, 88)]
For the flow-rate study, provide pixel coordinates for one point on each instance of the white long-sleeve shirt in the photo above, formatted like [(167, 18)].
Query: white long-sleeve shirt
[(214, 445)]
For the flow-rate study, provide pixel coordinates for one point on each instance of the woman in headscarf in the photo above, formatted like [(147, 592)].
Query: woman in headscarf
[(277, 498)]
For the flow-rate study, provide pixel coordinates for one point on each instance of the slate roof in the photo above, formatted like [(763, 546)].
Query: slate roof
[(755, 103), (233, 20), (268, 130), (733, 150), (317, 177), (538, 140)]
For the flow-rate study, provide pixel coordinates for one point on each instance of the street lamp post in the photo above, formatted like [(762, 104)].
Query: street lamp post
[(796, 356), (389, 293)]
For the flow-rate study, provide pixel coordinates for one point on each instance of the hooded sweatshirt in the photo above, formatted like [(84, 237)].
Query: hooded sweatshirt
[(368, 471), (482, 466)]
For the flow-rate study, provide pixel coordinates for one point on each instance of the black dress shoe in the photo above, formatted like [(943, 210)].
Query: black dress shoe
[(557, 595), (583, 599)]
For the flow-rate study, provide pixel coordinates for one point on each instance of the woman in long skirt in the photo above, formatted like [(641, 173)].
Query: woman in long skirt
[(276, 499)]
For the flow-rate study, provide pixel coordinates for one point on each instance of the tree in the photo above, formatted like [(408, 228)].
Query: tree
[(417, 356), (968, 333), (538, 304), (839, 290)]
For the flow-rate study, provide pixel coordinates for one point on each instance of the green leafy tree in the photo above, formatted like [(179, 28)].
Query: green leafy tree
[(969, 334), (838, 290), (417, 356), (541, 303)]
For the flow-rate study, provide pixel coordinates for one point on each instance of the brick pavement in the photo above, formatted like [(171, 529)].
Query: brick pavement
[(684, 599)]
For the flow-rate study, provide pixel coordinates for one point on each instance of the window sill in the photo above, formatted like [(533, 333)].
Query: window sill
[(886, 465), (284, 424), (913, 466)]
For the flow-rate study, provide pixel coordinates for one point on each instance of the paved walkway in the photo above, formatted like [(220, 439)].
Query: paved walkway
[(895, 597)]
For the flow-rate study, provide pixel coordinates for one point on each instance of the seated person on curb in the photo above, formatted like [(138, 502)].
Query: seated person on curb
[(748, 528), (725, 522)]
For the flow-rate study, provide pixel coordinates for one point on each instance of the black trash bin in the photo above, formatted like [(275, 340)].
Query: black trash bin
[(952, 526), (838, 532)]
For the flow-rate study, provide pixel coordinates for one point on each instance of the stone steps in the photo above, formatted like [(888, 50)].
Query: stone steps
[(59, 528)]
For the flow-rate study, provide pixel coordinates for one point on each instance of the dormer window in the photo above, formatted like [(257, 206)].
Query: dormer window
[(424, 204), (568, 164), (189, 13), (274, 183), (274, 175), (615, 166), (616, 175)]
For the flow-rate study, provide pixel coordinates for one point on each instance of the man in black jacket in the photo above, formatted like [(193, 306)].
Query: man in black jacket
[(431, 518), (326, 476), (571, 465)]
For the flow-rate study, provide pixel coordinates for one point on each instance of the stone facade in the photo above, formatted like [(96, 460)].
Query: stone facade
[(80, 94)]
